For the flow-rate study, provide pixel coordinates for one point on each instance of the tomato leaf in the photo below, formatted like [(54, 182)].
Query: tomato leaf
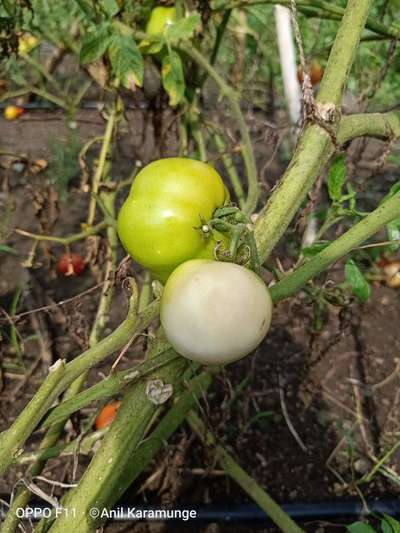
[(359, 285), (95, 44), (360, 527), (110, 7), (183, 28), (336, 179), (390, 524), (173, 79), (7, 249), (126, 60)]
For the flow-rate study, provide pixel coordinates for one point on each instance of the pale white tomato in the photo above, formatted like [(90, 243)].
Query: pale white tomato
[(214, 312)]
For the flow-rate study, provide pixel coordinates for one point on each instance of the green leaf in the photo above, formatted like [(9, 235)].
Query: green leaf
[(126, 60), (360, 527), (357, 281), (315, 248), (95, 44), (110, 7), (337, 178), (7, 249), (173, 79), (183, 28), (389, 524)]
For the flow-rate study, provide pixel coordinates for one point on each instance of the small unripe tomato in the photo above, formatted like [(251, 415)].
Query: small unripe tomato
[(12, 112), (160, 222), (160, 18), (27, 43), (315, 72), (215, 312), (70, 264), (107, 415)]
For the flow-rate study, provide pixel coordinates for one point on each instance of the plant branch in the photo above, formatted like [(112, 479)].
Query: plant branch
[(101, 165), (110, 386), (86, 232), (248, 484), (230, 168), (39, 92), (379, 125), (383, 214)]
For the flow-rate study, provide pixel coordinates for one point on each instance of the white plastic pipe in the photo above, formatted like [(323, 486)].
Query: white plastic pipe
[(287, 55)]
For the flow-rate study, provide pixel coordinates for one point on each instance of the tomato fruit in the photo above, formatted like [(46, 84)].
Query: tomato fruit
[(26, 43), (160, 19), (315, 72), (70, 264), (160, 222), (107, 415), (215, 312), (12, 112), (392, 271)]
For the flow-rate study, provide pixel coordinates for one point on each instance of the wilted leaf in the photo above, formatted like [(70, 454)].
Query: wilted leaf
[(158, 392), (98, 72), (126, 60), (173, 79), (357, 281), (38, 165), (336, 178)]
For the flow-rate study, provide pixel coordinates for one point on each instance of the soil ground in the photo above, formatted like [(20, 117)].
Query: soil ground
[(307, 415)]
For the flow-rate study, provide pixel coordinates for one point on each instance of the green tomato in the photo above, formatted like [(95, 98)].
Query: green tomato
[(215, 312), (160, 19), (160, 222)]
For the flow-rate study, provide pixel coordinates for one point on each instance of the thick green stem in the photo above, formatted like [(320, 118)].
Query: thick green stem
[(315, 146), (110, 386), (379, 125), (343, 52), (385, 213), (108, 475), (313, 152), (248, 484)]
